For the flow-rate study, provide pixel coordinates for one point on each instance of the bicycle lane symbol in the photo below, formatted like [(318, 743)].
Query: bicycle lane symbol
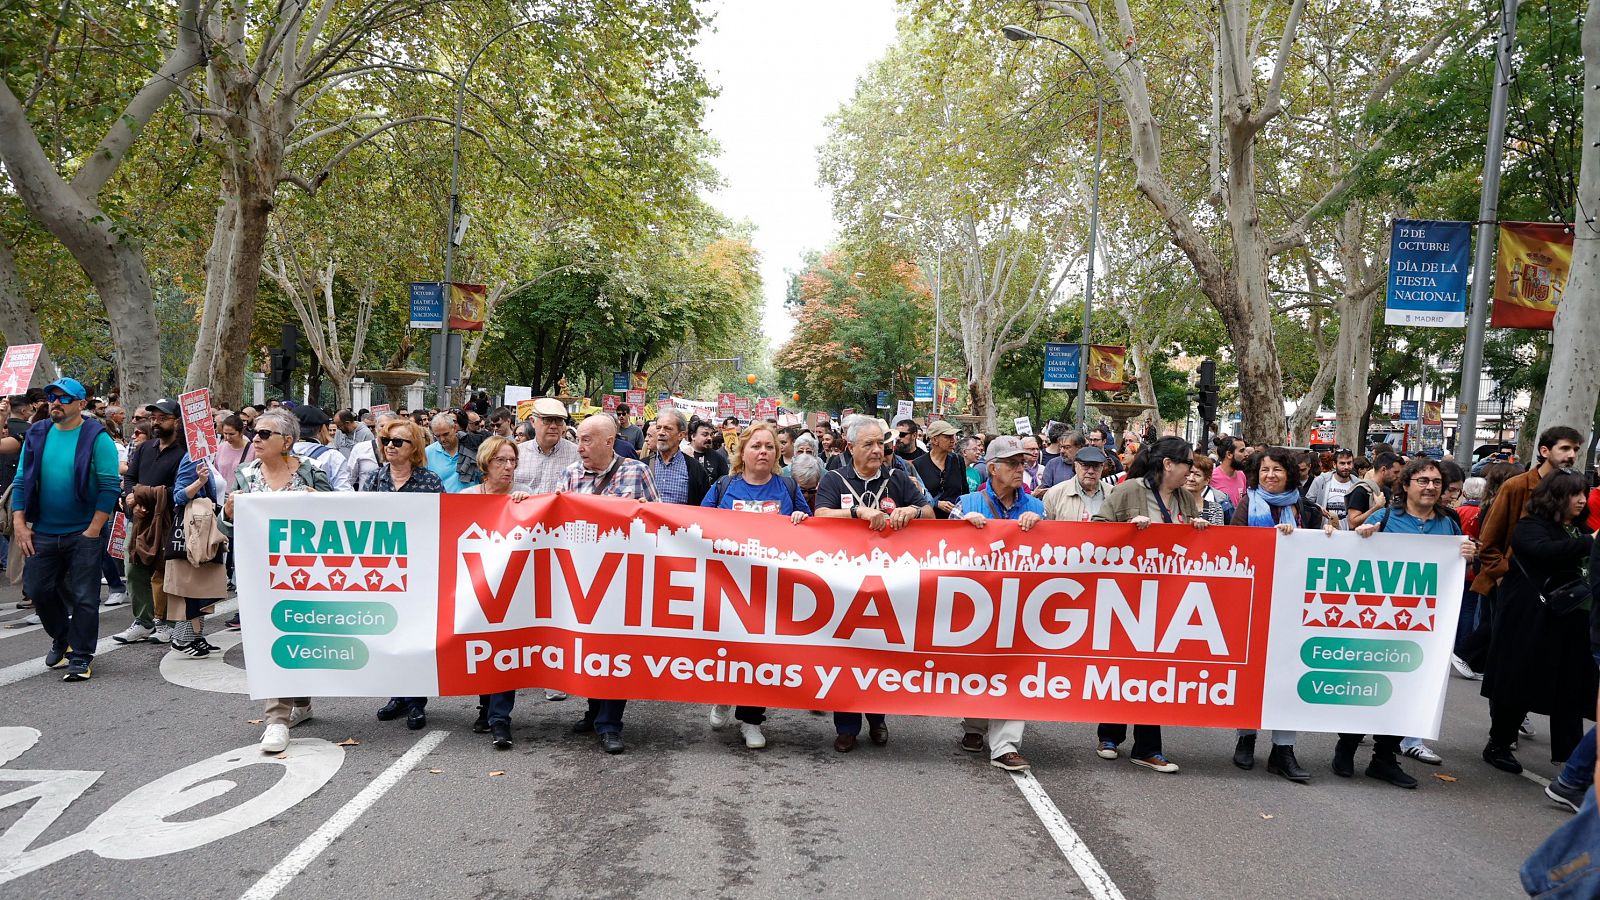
[(138, 826)]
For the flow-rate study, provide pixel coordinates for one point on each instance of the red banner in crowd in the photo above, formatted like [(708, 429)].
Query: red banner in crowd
[(17, 368), (422, 594)]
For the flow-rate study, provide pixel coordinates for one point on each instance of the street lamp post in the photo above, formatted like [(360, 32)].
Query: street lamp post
[(455, 197), (1018, 33)]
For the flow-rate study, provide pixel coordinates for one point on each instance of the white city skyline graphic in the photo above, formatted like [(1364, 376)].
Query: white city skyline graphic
[(1085, 556)]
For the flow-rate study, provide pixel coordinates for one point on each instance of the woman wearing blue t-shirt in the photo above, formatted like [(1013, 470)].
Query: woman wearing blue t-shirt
[(754, 486)]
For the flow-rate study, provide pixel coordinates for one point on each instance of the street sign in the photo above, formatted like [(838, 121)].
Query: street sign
[(883, 399), (1061, 367), (620, 383), (1411, 411), (923, 392), (1428, 274), (427, 304)]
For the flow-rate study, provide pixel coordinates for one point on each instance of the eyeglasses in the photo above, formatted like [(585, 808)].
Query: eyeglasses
[(1428, 481), (503, 461), (265, 434), (395, 441), (62, 399)]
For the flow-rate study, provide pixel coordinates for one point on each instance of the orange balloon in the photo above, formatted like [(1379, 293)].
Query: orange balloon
[(750, 378), (796, 396)]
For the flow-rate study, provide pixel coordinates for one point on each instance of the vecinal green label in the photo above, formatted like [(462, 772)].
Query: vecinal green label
[(315, 651), (335, 616), (1345, 688), (1361, 654)]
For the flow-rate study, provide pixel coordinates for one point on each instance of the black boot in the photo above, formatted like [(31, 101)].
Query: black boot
[(502, 735), (1385, 767), (1244, 752), (1344, 757), (481, 725), (1281, 761), (1499, 756)]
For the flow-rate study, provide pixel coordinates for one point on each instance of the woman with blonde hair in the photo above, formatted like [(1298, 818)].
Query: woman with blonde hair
[(405, 471)]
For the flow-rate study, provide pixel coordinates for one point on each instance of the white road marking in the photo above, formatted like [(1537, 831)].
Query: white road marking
[(209, 674), (34, 665), (1540, 780), (1089, 870), (285, 871), (10, 631)]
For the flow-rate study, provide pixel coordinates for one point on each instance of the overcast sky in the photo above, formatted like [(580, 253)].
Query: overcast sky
[(782, 68)]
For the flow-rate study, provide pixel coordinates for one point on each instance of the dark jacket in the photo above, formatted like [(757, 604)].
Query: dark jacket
[(1306, 513), (950, 484), (1538, 661)]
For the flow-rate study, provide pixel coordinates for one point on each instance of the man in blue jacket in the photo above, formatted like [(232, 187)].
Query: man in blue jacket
[(65, 490)]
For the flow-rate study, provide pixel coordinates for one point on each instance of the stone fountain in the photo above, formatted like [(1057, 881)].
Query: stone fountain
[(1120, 411), (395, 382)]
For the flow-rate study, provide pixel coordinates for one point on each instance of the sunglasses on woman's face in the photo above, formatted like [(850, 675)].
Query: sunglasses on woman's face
[(265, 434), (395, 441)]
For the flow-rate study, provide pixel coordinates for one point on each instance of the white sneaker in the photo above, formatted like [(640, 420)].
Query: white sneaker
[(275, 739), (118, 598), (298, 714), (1424, 753), (134, 634), (753, 738), (162, 634), (1526, 728), (554, 695), (1462, 669), (721, 715), (31, 619)]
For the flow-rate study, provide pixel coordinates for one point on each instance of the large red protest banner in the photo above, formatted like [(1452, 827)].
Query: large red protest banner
[(471, 594)]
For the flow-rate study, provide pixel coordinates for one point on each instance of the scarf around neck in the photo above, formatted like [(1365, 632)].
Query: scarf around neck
[(1263, 503)]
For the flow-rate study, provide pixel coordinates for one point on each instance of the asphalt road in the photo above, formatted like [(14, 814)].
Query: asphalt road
[(102, 804)]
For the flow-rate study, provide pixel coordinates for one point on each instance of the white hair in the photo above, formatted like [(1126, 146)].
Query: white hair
[(444, 418), (677, 415), (854, 424), (806, 469)]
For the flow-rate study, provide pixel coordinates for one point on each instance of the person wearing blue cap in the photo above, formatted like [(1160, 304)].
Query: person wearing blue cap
[(63, 494)]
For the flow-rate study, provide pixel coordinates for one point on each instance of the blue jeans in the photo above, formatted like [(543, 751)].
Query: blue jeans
[(1579, 771), (498, 706), (850, 723), (1473, 608), (62, 578), (1567, 865), (607, 715)]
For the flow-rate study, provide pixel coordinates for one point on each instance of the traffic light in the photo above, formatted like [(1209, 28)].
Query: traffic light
[(284, 362), (1208, 391)]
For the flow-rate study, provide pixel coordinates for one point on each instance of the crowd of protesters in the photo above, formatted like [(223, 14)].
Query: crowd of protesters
[(1527, 628)]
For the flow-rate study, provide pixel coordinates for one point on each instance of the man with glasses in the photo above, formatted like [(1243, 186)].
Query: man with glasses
[(1079, 498), (905, 440), (63, 494), (1031, 471), (449, 457), (153, 464), (542, 462), (1100, 437), (1060, 468)]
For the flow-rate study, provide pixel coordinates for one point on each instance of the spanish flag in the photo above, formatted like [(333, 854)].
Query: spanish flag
[(1107, 368), (468, 306), (1531, 274)]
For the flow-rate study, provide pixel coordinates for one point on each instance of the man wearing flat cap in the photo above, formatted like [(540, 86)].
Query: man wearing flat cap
[(542, 462)]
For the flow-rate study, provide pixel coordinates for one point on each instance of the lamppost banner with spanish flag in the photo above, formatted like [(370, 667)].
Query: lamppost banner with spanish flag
[(1531, 269), (416, 594)]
